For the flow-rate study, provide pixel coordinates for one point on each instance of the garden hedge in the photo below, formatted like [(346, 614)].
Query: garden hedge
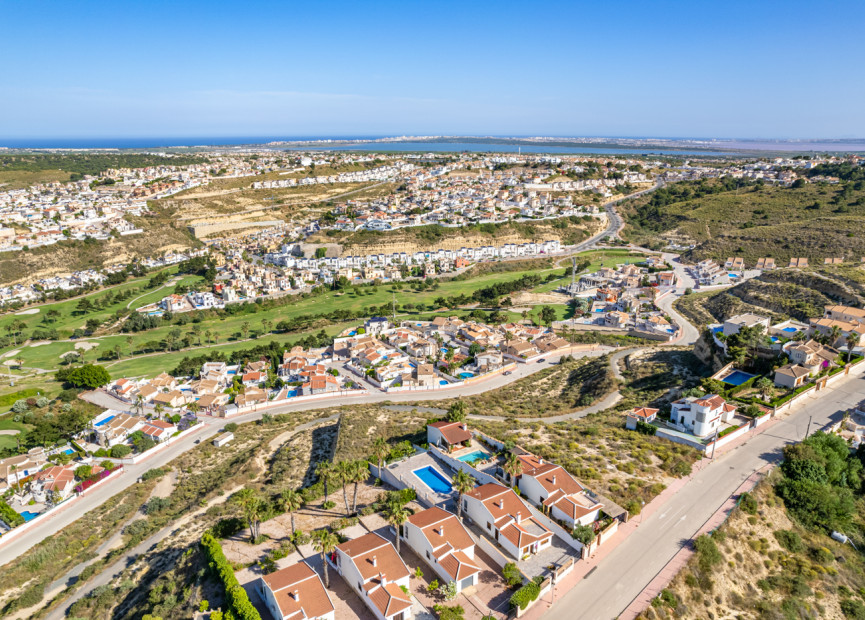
[(238, 601)]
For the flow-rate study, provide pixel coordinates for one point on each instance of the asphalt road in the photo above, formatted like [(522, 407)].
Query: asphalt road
[(623, 574)]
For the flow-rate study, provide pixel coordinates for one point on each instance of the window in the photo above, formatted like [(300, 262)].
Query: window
[(489, 525), (427, 555)]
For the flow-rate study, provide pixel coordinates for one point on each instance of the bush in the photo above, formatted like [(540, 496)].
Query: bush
[(791, 541), (90, 376), (231, 427), (748, 503), (150, 474), (525, 595), (584, 533), (120, 450), (707, 553), (227, 527), (9, 516), (511, 574), (852, 608)]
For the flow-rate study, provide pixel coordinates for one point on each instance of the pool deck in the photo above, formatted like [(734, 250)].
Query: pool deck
[(404, 472)]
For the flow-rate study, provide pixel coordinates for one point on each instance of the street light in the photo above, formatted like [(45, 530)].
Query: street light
[(642, 506)]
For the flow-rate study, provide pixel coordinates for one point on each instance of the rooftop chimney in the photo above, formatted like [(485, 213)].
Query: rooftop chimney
[(518, 516), (296, 596), (441, 530), (554, 478), (382, 579), (373, 561)]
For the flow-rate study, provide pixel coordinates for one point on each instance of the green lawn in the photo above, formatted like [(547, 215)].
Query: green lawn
[(11, 441)]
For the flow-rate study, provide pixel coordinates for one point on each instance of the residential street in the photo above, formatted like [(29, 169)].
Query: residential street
[(623, 574)]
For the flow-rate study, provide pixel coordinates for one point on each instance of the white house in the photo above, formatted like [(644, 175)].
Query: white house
[(296, 593), (791, 376), (439, 538), (701, 416), (647, 415), (502, 515), (373, 569), (557, 492), (735, 323)]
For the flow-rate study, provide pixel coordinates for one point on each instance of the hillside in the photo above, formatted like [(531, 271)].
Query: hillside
[(773, 558), (752, 220), (161, 234), (780, 294), (567, 230)]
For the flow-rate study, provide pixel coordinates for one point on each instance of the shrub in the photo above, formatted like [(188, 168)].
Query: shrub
[(852, 608), (707, 553), (584, 533), (511, 574), (120, 450), (150, 474), (455, 612), (822, 555), (231, 427), (748, 503), (9, 516), (791, 541), (227, 527), (525, 595)]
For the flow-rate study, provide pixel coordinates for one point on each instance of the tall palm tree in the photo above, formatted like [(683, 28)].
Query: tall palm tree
[(245, 329), (396, 515), (463, 483), (253, 508), (851, 340), (291, 501), (139, 404), (325, 542), (325, 471), (359, 471), (129, 341), (834, 335), (380, 450), (513, 467), (343, 473)]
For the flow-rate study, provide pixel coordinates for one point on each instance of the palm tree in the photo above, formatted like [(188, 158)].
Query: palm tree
[(343, 472), (325, 542), (129, 341), (463, 483), (292, 501), (139, 404), (207, 335), (253, 508), (245, 329), (764, 386), (196, 330), (396, 515), (194, 407), (158, 409), (513, 467), (359, 471), (380, 450), (834, 334), (324, 470), (851, 340)]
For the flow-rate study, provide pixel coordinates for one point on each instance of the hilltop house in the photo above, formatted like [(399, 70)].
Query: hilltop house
[(735, 323), (373, 569), (646, 415), (701, 416), (791, 376), (442, 541)]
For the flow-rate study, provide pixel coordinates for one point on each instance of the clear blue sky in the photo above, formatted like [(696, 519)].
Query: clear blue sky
[(662, 68)]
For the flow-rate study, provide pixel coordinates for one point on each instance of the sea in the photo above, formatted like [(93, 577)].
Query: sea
[(710, 148)]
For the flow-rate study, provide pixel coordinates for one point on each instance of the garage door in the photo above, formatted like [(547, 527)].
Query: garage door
[(465, 583)]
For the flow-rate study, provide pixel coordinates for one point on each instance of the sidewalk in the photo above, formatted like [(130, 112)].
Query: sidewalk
[(584, 567)]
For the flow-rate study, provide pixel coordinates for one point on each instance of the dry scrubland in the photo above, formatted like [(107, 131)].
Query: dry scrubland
[(779, 294), (756, 222), (770, 568), (434, 237)]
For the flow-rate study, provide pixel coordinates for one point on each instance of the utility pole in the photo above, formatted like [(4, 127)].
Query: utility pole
[(808, 432), (714, 444), (393, 306)]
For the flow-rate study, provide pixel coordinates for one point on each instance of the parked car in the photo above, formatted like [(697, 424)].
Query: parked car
[(508, 372), (542, 360)]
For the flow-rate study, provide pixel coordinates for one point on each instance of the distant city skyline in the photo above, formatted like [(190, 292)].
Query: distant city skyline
[(769, 70)]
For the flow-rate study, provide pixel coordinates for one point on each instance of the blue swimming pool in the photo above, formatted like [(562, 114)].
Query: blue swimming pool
[(105, 421), (442, 382), (737, 377), (291, 393), (430, 476), (29, 516), (789, 330), (466, 375), (718, 329), (68, 451), (473, 457)]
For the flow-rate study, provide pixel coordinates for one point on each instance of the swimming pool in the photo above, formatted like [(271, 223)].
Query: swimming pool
[(291, 393), (789, 330), (442, 382), (29, 516), (430, 476), (737, 377), (718, 329), (473, 457), (466, 375), (68, 451), (105, 421)]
